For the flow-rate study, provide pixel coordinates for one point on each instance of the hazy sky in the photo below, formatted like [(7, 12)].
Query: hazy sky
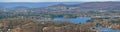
[(55, 0)]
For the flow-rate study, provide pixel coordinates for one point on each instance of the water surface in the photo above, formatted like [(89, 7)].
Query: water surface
[(73, 20), (105, 29)]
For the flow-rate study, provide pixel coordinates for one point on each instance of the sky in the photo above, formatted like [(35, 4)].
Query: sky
[(56, 0)]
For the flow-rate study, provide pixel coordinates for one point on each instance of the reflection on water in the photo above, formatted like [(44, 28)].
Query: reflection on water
[(73, 20)]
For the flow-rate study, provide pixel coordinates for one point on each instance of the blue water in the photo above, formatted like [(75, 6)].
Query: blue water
[(73, 20), (84, 20), (105, 29)]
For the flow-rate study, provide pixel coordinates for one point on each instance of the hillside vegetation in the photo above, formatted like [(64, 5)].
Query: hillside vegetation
[(29, 25)]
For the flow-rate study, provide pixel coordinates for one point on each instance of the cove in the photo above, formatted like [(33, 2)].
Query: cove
[(73, 20), (105, 29)]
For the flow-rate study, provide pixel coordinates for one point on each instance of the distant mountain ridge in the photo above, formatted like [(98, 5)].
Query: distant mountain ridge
[(100, 5), (91, 6), (76, 6), (33, 5)]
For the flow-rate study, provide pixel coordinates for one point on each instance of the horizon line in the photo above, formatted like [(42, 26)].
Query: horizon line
[(66, 1)]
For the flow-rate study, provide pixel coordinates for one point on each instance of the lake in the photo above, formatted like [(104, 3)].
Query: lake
[(84, 20), (105, 29), (73, 20)]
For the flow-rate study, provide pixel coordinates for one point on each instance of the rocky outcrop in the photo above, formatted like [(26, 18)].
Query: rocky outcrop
[(53, 29), (115, 26)]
